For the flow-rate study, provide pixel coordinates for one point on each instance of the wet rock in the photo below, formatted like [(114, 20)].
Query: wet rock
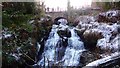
[(64, 33), (90, 38)]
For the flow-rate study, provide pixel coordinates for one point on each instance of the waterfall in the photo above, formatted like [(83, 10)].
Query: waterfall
[(74, 50), (69, 56), (50, 47)]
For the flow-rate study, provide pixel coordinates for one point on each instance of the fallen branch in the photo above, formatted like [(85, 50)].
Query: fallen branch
[(29, 57)]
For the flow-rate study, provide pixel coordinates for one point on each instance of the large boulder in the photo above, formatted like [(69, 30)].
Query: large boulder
[(90, 38), (64, 35)]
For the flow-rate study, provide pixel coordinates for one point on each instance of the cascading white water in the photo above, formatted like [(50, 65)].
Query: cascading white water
[(74, 50), (50, 47)]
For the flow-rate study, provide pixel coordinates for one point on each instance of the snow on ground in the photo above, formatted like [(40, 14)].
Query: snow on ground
[(110, 33), (110, 40)]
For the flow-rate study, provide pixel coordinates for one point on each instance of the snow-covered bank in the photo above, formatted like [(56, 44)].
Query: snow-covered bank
[(107, 34), (110, 33)]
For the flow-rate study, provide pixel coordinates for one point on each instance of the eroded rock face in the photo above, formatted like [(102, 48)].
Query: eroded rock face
[(90, 38)]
